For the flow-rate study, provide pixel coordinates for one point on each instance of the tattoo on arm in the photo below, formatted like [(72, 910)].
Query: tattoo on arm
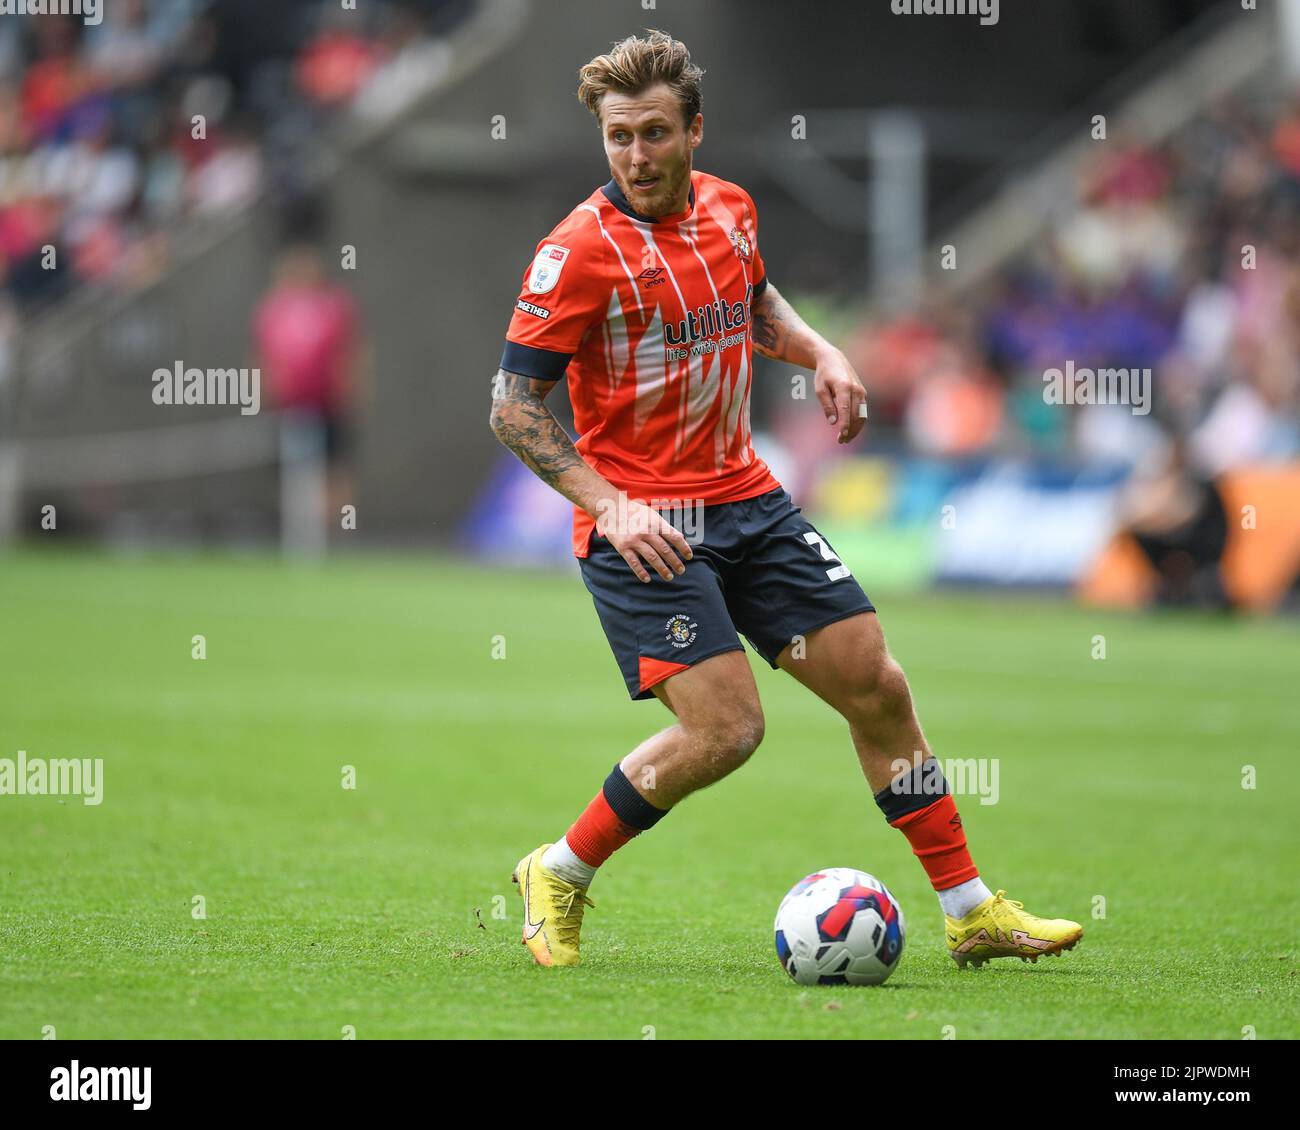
[(774, 322), (767, 325), (779, 332), (525, 425)]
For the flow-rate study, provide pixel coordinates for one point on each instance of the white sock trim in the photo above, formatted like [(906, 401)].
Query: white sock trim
[(560, 860), (959, 901)]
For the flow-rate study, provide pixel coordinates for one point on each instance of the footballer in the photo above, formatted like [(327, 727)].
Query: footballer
[(650, 298)]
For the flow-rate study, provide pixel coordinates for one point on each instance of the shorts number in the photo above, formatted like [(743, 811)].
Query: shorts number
[(840, 571)]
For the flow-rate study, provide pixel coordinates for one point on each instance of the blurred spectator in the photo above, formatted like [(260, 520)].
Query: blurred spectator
[(99, 150), (337, 62), (229, 179), (957, 409), (309, 349), (1178, 258), (1178, 519), (124, 52)]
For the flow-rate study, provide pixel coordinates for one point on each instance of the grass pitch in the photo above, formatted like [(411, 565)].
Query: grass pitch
[(386, 910)]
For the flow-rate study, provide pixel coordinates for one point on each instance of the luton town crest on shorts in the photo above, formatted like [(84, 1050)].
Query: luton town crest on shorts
[(681, 630)]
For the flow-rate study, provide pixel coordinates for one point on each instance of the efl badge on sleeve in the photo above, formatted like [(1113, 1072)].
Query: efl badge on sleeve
[(547, 267)]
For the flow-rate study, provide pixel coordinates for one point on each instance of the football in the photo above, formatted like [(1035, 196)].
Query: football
[(839, 926)]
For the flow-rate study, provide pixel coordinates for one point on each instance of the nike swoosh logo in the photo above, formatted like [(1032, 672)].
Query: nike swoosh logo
[(530, 927)]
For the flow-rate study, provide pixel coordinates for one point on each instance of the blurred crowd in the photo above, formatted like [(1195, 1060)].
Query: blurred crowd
[(1181, 258), (174, 110)]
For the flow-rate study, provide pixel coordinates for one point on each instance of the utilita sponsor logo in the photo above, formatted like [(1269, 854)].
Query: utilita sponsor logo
[(708, 320)]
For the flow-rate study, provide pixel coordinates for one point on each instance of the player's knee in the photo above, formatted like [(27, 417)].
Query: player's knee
[(882, 694), (748, 733), (734, 735)]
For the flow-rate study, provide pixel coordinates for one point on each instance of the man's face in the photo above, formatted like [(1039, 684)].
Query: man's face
[(649, 148)]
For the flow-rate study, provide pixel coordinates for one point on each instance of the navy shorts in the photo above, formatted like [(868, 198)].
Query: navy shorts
[(760, 569)]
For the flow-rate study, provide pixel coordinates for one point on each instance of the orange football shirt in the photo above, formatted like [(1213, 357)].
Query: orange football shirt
[(650, 318)]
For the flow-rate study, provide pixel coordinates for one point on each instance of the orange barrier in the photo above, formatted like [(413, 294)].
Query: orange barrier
[(1260, 561)]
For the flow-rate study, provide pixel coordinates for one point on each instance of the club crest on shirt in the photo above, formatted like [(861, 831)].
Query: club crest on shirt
[(680, 630), (740, 241), (547, 265)]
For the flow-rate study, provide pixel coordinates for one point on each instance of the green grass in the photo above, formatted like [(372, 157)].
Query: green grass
[(326, 907)]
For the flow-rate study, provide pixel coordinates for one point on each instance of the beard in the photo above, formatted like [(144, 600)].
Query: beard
[(663, 200)]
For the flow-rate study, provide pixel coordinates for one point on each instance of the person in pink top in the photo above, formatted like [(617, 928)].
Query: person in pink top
[(307, 339)]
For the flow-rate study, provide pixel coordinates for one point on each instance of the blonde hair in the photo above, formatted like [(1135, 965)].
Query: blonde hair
[(633, 65)]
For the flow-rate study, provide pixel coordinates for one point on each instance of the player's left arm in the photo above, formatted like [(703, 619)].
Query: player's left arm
[(779, 333)]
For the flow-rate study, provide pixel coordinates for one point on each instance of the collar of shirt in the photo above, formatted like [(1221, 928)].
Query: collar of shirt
[(615, 196)]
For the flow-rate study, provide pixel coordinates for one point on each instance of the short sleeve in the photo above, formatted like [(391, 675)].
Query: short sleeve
[(759, 270), (564, 292)]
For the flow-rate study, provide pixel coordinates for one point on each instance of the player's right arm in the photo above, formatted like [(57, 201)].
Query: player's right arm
[(525, 425), (564, 295)]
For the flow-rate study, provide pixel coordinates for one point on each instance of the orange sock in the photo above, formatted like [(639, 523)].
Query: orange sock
[(616, 814), (919, 804), (938, 841)]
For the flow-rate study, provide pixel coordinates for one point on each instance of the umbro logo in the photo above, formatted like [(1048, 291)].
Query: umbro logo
[(650, 277)]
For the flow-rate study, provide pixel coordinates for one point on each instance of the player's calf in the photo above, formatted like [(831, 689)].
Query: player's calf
[(715, 734), (695, 754), (667, 767)]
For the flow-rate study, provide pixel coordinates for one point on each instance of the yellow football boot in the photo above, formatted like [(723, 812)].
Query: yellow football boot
[(1001, 927), (552, 911)]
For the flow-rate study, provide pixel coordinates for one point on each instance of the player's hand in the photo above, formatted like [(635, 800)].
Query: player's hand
[(842, 396), (641, 534)]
